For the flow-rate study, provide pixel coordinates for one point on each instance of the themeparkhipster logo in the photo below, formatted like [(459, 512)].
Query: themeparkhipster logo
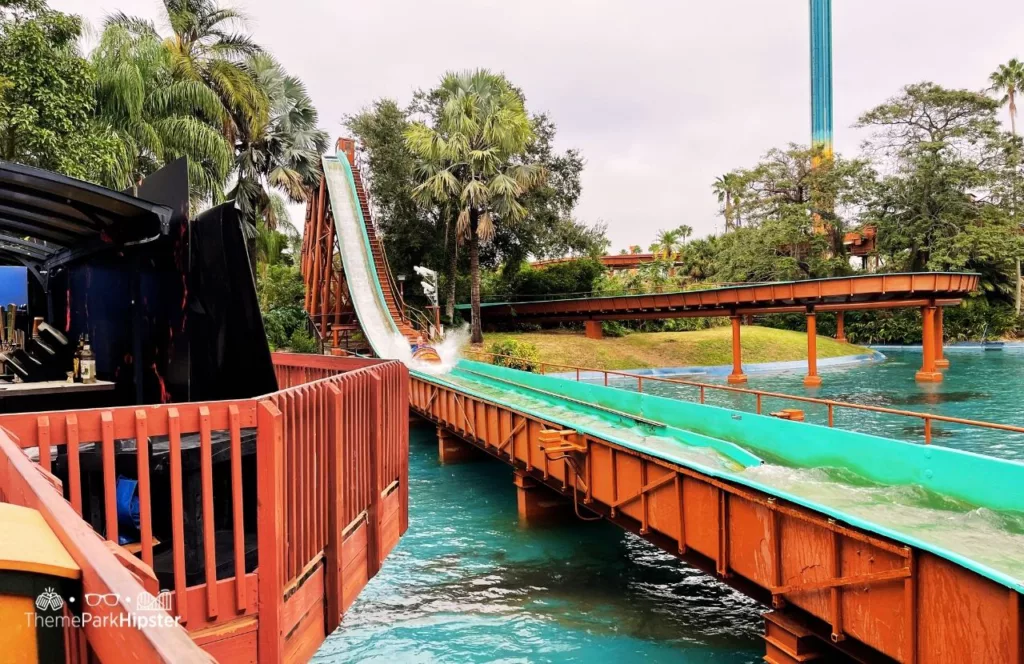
[(150, 611)]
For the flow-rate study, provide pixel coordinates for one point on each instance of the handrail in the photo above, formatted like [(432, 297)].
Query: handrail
[(831, 404)]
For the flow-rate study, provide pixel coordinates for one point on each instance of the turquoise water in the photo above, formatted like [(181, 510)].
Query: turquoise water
[(468, 584), (979, 385)]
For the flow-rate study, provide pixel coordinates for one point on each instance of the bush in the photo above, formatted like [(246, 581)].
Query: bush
[(516, 354), (613, 328), (281, 324), (302, 342)]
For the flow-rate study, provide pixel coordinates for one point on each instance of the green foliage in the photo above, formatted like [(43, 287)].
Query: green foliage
[(302, 341), (473, 160), (516, 354), (561, 279), (156, 118), (46, 97), (280, 291), (614, 329)]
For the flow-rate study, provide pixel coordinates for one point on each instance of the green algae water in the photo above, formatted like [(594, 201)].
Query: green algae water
[(468, 584)]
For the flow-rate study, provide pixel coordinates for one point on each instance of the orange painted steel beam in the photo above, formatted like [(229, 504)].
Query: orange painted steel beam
[(841, 326), (940, 359), (928, 373), (835, 294), (858, 593), (812, 379), (737, 375)]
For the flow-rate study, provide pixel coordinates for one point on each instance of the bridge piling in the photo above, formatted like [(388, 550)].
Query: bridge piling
[(452, 449), (537, 503)]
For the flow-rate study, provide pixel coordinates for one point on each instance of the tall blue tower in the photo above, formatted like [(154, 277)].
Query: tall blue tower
[(821, 74)]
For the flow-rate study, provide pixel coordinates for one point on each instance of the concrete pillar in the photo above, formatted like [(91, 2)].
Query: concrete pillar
[(840, 327), (812, 379), (593, 329), (452, 449), (928, 372), (737, 375), (537, 503), (940, 359)]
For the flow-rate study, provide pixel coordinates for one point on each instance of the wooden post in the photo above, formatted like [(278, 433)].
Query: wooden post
[(373, 511), (812, 379), (841, 327), (940, 360), (928, 372), (737, 375), (335, 510), (270, 531)]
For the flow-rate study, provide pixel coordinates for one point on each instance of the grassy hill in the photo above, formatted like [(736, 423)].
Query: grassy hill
[(673, 349)]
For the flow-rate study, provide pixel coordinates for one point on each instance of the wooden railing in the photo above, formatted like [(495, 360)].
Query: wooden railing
[(114, 630), (831, 406), (311, 478)]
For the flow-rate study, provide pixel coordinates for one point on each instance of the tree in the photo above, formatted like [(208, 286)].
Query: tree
[(467, 160), (156, 118), (937, 147), (46, 97), (205, 48), (782, 198), (413, 234), (1007, 80), (279, 152), (685, 231), (667, 244), (727, 188)]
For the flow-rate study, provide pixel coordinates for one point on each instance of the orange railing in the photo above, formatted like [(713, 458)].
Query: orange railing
[(292, 476), (927, 419), (114, 630)]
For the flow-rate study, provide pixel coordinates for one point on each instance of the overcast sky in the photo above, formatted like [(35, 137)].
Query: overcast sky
[(661, 96)]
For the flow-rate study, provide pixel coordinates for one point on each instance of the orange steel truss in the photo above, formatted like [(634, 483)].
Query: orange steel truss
[(836, 591), (331, 502), (929, 291)]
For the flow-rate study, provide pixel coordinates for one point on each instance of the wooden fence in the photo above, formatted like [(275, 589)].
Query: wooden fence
[(264, 517)]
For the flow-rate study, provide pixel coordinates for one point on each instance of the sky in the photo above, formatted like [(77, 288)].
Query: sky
[(660, 96)]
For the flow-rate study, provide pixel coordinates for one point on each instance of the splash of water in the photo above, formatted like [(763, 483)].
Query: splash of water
[(449, 349)]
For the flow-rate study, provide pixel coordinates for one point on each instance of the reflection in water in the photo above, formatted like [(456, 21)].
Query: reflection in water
[(468, 584)]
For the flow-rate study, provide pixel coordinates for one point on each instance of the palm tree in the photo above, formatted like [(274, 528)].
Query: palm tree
[(156, 118), (727, 187), (281, 152), (466, 159), (205, 49), (1008, 79), (684, 231), (666, 244)]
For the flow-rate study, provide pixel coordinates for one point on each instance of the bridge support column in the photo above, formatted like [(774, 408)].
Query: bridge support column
[(737, 375), (593, 329), (841, 327), (537, 503), (812, 379), (940, 359), (788, 642), (928, 372), (451, 449)]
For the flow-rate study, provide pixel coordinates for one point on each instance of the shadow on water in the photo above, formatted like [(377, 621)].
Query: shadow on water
[(467, 583)]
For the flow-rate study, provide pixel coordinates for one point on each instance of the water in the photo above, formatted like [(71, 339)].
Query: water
[(468, 584), (979, 385)]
